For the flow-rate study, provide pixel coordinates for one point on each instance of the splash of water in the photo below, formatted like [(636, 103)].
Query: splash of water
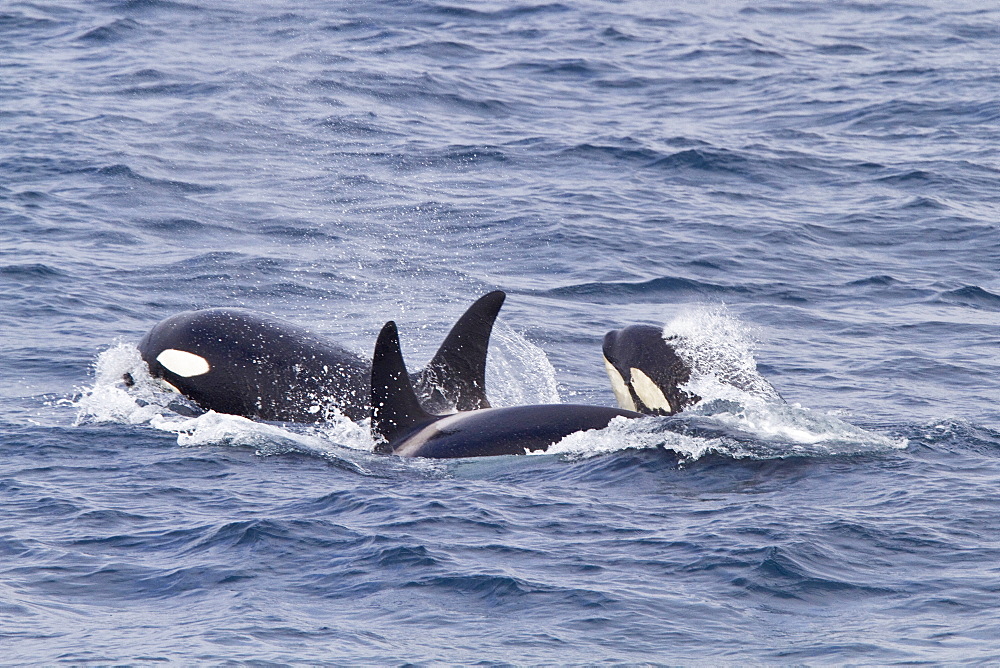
[(719, 350), (791, 432), (110, 401), (517, 371), (639, 434)]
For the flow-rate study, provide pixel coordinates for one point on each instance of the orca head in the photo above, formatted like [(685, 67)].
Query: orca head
[(168, 350), (189, 353), (645, 371)]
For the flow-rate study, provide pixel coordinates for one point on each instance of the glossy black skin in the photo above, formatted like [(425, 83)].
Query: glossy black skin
[(404, 428), (261, 367), (643, 347), (268, 369), (515, 430)]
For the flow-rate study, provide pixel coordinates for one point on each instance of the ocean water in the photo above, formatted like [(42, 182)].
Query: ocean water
[(808, 191)]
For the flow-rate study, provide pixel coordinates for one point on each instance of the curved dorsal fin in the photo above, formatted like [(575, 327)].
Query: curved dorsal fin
[(395, 408), (456, 376)]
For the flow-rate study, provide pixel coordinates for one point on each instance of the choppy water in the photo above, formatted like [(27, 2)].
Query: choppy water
[(809, 187)]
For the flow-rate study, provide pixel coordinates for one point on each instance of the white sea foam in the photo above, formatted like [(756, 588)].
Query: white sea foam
[(644, 434), (109, 400)]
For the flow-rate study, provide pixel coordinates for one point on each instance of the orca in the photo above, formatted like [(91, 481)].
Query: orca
[(647, 375), (402, 426), (235, 361), (646, 372)]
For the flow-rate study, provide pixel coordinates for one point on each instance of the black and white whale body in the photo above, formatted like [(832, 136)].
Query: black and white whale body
[(401, 426), (645, 371), (647, 374), (244, 363)]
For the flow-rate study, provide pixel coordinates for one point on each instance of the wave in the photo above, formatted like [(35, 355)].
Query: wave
[(112, 32), (654, 289), (972, 296), (512, 12), (124, 173), (33, 272)]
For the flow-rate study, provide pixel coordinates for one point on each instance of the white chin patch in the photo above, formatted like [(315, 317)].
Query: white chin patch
[(166, 387), (622, 394), (649, 392), (183, 363)]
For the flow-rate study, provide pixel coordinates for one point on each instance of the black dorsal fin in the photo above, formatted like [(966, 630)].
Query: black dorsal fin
[(456, 377), (395, 408)]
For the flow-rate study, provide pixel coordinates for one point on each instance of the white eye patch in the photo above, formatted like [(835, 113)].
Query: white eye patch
[(622, 394), (183, 363), (649, 392)]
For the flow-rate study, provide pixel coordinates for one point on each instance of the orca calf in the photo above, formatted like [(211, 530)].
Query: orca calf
[(401, 426), (645, 371), (236, 361)]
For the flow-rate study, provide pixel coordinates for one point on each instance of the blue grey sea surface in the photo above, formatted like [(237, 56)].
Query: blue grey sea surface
[(808, 189)]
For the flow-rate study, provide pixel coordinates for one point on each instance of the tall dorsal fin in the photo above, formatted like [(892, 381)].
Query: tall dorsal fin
[(395, 408), (457, 374)]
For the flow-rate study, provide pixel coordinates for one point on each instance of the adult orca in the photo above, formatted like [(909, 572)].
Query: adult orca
[(646, 372), (236, 361), (401, 426)]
